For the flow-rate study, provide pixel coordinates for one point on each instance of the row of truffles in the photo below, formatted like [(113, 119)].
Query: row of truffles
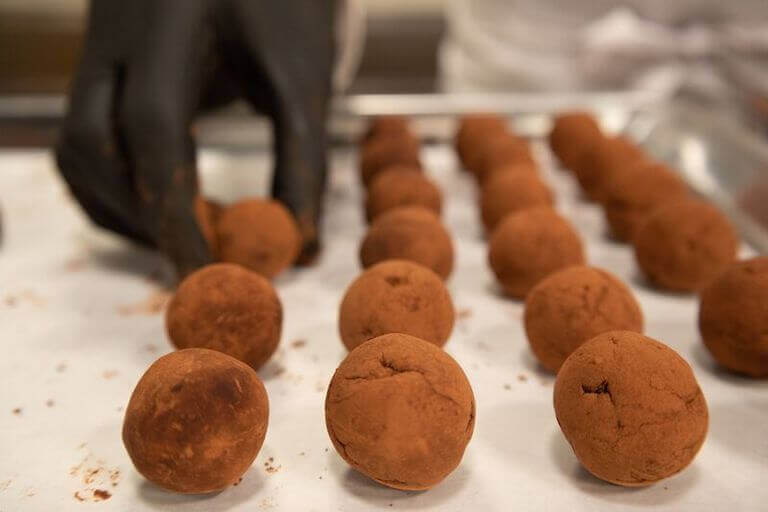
[(681, 243)]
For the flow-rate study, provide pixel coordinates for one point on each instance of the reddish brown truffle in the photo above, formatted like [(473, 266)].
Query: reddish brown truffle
[(474, 130), (386, 126), (400, 411), (733, 317), (631, 195), (509, 192), (631, 408), (401, 186), (683, 245), (396, 296), (260, 235), (207, 213), (196, 421), (519, 167), (501, 149), (606, 158), (386, 151), (529, 245), (572, 135), (409, 233), (227, 308), (574, 305)]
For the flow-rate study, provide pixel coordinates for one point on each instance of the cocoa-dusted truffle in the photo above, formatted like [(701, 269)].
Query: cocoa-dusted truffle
[(207, 213), (409, 233), (529, 245), (733, 317), (474, 130), (574, 305), (260, 235), (685, 244), (386, 126), (400, 411), (509, 192), (396, 296), (572, 135), (196, 421), (632, 194), (383, 152), (401, 186), (607, 157), (631, 408), (502, 149), (519, 167), (227, 308)]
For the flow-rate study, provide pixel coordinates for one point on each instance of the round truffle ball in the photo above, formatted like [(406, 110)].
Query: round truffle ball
[(401, 186), (386, 151), (508, 192), (574, 305), (499, 150), (631, 195), (733, 317), (401, 411), (396, 296), (573, 134), (196, 421), (260, 235), (518, 167), (683, 245), (529, 245), (227, 308), (631, 408), (207, 213), (409, 233), (386, 126), (607, 157), (474, 130)]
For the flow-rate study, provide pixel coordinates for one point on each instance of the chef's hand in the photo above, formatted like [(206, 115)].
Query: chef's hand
[(127, 148)]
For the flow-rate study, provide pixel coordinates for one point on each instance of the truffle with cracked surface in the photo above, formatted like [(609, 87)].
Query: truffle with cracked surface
[(400, 411), (400, 186), (631, 408)]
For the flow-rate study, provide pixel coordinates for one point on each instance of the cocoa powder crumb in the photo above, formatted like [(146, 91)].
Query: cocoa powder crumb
[(49, 402), (522, 378), (507, 387), (17, 411), (101, 495), (299, 343)]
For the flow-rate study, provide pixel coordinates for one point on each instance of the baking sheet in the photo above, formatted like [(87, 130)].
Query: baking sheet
[(80, 321)]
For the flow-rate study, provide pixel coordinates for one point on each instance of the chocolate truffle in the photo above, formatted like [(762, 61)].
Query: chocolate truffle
[(196, 421), (631, 408), (519, 167), (207, 213), (474, 130), (396, 296), (573, 134), (529, 245), (227, 308), (631, 195), (574, 305), (401, 186), (509, 192), (385, 126), (260, 235), (409, 233), (386, 151), (683, 245), (400, 411), (501, 149), (607, 157), (733, 317)]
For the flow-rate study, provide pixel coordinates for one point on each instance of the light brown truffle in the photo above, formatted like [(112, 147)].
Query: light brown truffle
[(409, 233), (386, 151), (260, 235), (631, 408), (401, 411), (509, 192), (386, 126), (474, 130), (396, 296), (574, 305), (683, 245), (227, 308), (572, 135), (733, 317), (207, 213), (501, 149), (401, 186), (529, 245), (631, 195), (196, 421), (606, 158)]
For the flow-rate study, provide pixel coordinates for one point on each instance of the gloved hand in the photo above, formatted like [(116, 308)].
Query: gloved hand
[(127, 149)]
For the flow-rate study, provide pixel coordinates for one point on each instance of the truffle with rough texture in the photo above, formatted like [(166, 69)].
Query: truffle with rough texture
[(401, 186), (509, 192), (400, 411), (519, 167), (631, 408), (572, 135), (227, 308), (474, 130), (396, 296), (409, 233), (574, 305), (260, 235), (207, 213), (499, 150), (733, 317), (386, 151), (631, 195), (196, 421), (529, 245), (683, 245), (606, 158)]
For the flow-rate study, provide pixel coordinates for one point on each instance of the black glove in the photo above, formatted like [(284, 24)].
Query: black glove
[(148, 67)]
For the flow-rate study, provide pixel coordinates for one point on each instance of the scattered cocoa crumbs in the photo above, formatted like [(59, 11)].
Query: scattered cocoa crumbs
[(10, 301), (463, 313), (49, 402), (522, 378), (109, 374), (17, 411), (78, 497), (238, 481), (150, 348), (302, 454), (154, 304), (507, 387), (61, 367), (101, 495), (299, 343)]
